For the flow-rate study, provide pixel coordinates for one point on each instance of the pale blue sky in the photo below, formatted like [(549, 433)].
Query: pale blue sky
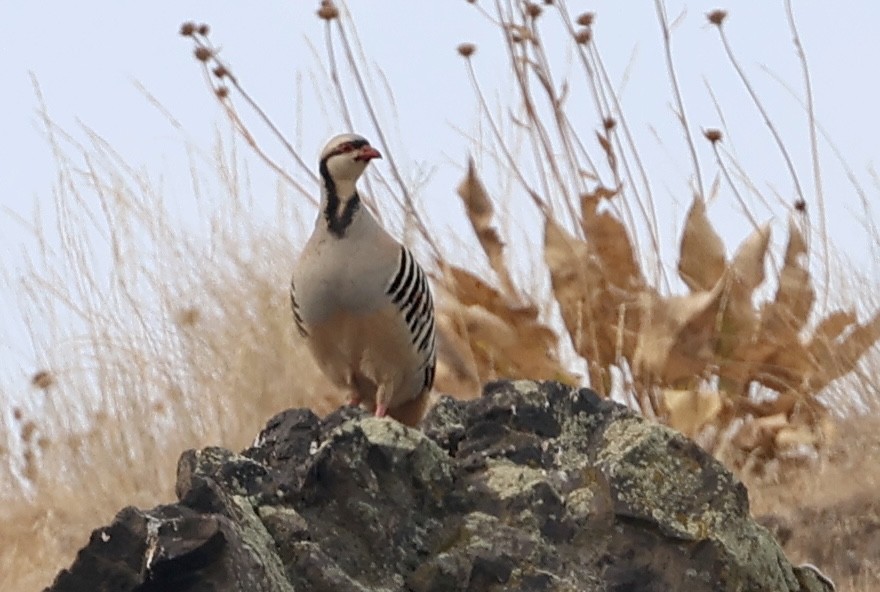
[(87, 56)]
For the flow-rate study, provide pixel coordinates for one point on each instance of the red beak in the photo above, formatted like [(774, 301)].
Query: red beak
[(368, 153)]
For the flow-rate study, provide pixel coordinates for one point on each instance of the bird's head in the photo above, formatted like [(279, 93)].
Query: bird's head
[(346, 156)]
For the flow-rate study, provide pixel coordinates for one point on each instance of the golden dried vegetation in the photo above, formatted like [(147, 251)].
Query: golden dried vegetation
[(693, 360), (736, 357)]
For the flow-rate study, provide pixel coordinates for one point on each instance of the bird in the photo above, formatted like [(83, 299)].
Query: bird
[(360, 299)]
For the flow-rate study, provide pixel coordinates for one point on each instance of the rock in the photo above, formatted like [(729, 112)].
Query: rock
[(535, 486)]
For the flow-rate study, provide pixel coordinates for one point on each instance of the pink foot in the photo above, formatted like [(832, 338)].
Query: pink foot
[(354, 401), (381, 410)]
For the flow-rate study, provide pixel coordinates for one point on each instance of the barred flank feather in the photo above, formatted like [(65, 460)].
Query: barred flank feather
[(297, 317), (409, 290)]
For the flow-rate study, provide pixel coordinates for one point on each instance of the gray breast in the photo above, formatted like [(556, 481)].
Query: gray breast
[(349, 274)]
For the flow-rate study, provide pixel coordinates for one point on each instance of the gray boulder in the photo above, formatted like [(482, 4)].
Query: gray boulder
[(535, 486)]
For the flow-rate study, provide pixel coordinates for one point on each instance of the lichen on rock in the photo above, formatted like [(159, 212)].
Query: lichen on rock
[(534, 486)]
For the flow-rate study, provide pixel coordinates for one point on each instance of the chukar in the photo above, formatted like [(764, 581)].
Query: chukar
[(360, 299)]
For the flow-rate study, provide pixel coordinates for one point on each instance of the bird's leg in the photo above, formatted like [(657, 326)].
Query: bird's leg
[(381, 404)]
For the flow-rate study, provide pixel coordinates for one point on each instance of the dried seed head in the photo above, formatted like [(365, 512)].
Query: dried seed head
[(30, 465), (583, 36), (42, 379), (203, 54), (466, 49), (190, 315), (548, 2), (716, 17), (17, 413), (713, 135), (801, 206), (471, 1), (222, 92), (586, 19), (533, 10), (204, 29), (609, 123), (328, 10), (187, 29), (28, 429), (220, 71), (175, 393)]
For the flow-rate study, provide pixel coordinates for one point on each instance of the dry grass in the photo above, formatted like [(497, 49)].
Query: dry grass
[(183, 341), (183, 338), (827, 512)]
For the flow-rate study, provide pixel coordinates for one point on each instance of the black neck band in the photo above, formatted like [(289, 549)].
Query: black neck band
[(337, 222)]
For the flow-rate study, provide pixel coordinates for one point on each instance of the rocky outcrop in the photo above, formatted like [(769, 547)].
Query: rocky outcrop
[(535, 486)]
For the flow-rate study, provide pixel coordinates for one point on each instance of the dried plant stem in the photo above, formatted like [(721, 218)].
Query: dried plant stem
[(499, 140), (598, 80), (518, 65), (868, 219), (730, 154), (242, 129), (578, 144), (336, 83), (542, 146), (202, 43), (646, 202), (563, 130), (333, 74), (676, 91), (233, 80), (409, 203), (600, 105), (814, 146), (733, 187), (760, 106)]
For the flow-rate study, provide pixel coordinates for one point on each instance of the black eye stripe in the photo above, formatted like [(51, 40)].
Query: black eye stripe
[(349, 147)]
